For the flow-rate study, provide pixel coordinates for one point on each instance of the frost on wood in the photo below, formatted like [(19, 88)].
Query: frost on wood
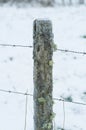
[(42, 55)]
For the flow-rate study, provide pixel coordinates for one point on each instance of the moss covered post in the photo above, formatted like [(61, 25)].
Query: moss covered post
[(43, 64)]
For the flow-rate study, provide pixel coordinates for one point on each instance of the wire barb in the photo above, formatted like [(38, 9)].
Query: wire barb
[(28, 94), (13, 45), (74, 102), (59, 49), (15, 92), (71, 51)]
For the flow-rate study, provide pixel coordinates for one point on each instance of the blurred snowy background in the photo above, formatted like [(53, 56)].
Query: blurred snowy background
[(16, 64)]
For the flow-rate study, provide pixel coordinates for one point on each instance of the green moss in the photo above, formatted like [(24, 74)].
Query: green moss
[(51, 63), (41, 100), (47, 126), (52, 116), (54, 47)]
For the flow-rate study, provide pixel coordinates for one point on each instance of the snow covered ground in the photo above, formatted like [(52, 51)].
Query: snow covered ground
[(16, 65)]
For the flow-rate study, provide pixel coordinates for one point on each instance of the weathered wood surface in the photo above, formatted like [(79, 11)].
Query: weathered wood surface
[(43, 86)]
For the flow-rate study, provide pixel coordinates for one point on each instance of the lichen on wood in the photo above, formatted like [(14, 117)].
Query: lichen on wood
[(43, 84)]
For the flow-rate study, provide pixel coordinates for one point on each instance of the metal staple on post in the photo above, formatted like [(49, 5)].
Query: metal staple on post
[(42, 55)]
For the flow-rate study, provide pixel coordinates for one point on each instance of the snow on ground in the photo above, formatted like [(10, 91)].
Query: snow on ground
[(16, 65)]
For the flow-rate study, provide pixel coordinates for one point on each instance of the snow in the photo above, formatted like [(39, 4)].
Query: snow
[(16, 65)]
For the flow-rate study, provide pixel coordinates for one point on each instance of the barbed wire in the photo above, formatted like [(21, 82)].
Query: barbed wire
[(58, 49), (14, 45), (28, 94), (71, 51), (15, 92), (74, 102), (56, 99)]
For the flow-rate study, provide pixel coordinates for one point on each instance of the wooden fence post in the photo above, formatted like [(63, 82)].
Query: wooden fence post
[(43, 86)]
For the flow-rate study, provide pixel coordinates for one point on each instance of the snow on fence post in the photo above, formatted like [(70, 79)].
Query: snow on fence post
[(43, 85)]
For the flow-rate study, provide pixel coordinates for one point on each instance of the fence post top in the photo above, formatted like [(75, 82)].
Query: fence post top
[(42, 27), (46, 20)]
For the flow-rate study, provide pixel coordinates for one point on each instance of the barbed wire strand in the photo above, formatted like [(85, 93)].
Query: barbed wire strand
[(28, 94), (15, 92), (61, 50), (26, 103), (78, 103), (14, 45), (71, 51), (63, 115)]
